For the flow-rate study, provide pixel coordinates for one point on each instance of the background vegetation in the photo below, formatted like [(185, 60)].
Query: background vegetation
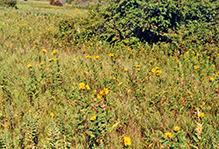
[(8, 3), (68, 79)]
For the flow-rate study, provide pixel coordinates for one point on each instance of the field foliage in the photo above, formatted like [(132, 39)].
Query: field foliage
[(8, 3), (130, 22), (85, 78)]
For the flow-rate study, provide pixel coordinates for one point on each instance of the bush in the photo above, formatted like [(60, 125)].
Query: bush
[(136, 20), (132, 21), (8, 3)]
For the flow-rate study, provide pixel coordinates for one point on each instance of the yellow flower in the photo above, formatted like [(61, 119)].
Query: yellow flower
[(188, 93), (168, 135), (196, 67), (99, 96), (93, 118), (52, 114), (51, 59), (126, 141), (74, 59), (217, 74), (81, 86), (29, 65), (43, 51), (201, 115), (88, 56), (157, 68), (153, 70), (211, 79), (105, 90), (102, 92), (87, 87), (139, 69), (56, 59), (41, 63), (111, 54), (176, 128), (150, 62), (74, 83), (96, 57), (53, 52), (137, 66), (126, 69), (158, 72)]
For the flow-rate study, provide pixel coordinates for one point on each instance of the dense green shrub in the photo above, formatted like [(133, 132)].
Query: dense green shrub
[(8, 3), (141, 20), (131, 21)]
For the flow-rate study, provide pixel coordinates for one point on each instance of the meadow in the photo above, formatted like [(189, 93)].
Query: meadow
[(95, 95)]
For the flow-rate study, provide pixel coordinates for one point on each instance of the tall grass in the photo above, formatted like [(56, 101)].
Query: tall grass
[(95, 96)]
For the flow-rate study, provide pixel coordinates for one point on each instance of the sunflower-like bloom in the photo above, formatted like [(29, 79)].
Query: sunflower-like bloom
[(168, 135), (93, 118), (43, 51), (177, 128), (126, 141), (29, 65), (81, 86)]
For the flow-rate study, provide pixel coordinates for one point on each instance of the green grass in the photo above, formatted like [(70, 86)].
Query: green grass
[(44, 6), (43, 107)]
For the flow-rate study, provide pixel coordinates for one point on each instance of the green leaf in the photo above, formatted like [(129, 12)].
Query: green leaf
[(87, 105), (193, 146), (202, 144), (196, 139), (203, 137), (101, 110)]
